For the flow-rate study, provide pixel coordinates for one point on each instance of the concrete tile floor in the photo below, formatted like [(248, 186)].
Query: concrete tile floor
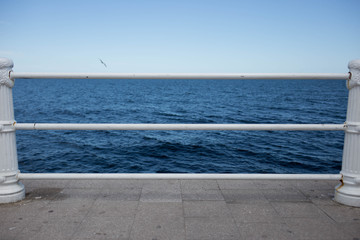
[(178, 209)]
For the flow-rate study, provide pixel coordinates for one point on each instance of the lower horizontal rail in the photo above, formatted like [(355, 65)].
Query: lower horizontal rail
[(233, 127), (144, 176)]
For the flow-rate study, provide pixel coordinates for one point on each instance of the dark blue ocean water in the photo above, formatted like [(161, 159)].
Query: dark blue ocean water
[(180, 101)]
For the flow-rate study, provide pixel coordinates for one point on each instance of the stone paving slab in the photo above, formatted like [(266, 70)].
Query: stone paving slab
[(161, 191), (178, 209)]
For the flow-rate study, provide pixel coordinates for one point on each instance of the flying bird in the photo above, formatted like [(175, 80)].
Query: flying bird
[(102, 62)]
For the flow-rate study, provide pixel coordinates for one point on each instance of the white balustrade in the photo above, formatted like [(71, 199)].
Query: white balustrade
[(347, 192)]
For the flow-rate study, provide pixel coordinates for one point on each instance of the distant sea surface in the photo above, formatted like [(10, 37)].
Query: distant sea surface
[(180, 101)]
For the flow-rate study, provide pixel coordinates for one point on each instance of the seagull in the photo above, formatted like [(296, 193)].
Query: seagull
[(102, 62)]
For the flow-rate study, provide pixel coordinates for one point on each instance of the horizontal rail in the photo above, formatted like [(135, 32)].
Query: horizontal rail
[(343, 76), (231, 127), (107, 176)]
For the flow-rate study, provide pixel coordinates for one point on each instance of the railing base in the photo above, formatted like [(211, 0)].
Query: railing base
[(348, 192), (12, 192), (347, 199)]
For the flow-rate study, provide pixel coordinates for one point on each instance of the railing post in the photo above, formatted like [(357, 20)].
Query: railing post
[(348, 192), (11, 190)]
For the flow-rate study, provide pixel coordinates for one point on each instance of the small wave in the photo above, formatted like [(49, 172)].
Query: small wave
[(125, 101)]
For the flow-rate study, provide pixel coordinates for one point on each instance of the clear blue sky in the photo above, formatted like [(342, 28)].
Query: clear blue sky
[(180, 36)]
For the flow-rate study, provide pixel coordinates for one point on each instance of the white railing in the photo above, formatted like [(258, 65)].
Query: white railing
[(347, 192)]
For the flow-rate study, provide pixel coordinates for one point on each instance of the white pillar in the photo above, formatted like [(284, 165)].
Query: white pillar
[(11, 190), (348, 192)]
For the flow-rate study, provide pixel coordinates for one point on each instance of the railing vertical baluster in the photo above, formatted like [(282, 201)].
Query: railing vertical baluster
[(11, 190), (348, 191)]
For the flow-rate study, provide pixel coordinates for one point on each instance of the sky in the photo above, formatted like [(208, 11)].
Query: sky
[(186, 36)]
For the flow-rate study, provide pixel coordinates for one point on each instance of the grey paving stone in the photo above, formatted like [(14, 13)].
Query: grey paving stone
[(158, 221), (199, 184), (254, 213), (10, 228), (352, 230), (44, 228), (104, 228), (90, 210), (64, 210), (25, 208), (298, 209), (161, 191), (129, 194), (105, 237), (158, 227), (236, 184), (201, 194), (331, 183), (42, 193), (46, 183), (113, 208), (162, 209), (160, 196), (244, 196), (284, 195), (89, 184), (341, 213), (313, 184), (167, 227), (320, 196), (99, 237), (268, 231), (125, 184), (161, 184), (273, 184), (206, 209), (312, 228), (77, 195), (211, 228)]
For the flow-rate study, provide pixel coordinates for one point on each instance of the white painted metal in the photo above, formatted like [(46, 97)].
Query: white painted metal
[(346, 193), (233, 127), (96, 176), (344, 76), (11, 190), (349, 191)]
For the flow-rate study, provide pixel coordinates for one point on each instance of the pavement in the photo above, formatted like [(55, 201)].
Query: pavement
[(178, 209)]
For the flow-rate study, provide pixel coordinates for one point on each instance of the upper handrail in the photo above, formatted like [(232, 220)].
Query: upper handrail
[(219, 76)]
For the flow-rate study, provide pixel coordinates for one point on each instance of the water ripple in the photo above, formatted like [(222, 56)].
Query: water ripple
[(180, 101)]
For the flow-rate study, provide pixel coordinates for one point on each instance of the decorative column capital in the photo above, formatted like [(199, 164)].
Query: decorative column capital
[(6, 66), (354, 67)]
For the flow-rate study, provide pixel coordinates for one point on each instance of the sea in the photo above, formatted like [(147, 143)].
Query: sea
[(179, 101)]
